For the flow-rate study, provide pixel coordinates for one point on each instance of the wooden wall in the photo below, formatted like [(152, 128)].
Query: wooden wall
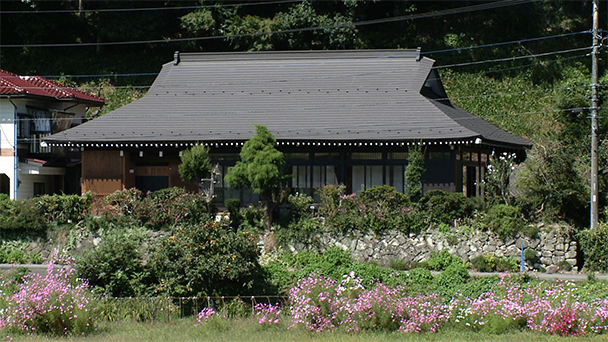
[(102, 171)]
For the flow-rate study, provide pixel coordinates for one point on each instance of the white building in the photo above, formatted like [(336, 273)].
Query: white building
[(32, 107)]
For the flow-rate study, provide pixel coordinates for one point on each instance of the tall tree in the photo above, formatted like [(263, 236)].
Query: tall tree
[(261, 169)]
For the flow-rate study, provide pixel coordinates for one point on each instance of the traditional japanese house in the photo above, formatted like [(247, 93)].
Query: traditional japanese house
[(345, 117)]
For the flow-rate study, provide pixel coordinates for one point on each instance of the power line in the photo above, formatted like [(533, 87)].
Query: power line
[(152, 8), (486, 6), (431, 52), (507, 59), (506, 43)]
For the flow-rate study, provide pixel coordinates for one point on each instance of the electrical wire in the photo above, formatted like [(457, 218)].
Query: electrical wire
[(506, 43), (507, 59), (148, 9), (426, 53), (486, 6)]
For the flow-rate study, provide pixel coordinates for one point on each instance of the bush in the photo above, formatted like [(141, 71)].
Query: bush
[(115, 267), (490, 263), (530, 255), (166, 208), (445, 207), (19, 216), (233, 205), (377, 209), (452, 278), (595, 248), (507, 264), (440, 261), (64, 209), (253, 218), (419, 276), (484, 263), (124, 202), (300, 206), (206, 259), (505, 220)]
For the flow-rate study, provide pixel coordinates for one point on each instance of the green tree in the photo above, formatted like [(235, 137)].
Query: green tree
[(414, 171), (195, 164), (261, 169)]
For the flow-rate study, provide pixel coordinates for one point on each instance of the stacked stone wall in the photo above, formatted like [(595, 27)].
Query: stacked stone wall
[(552, 245)]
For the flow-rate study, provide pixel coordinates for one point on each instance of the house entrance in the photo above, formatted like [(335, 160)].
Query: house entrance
[(5, 184)]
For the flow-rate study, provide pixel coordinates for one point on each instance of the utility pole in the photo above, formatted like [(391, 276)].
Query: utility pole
[(594, 110)]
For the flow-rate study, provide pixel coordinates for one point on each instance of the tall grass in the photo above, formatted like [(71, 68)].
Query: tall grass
[(250, 330)]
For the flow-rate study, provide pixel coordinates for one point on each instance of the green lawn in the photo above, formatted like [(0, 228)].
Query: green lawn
[(249, 330)]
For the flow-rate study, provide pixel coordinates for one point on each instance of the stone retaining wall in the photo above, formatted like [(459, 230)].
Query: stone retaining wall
[(552, 246)]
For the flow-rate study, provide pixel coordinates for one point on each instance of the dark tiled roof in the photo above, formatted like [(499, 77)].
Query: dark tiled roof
[(12, 84), (300, 96)]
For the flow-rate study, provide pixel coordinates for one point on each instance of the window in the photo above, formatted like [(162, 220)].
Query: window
[(366, 176), (397, 155), (323, 175), (327, 156), (301, 178), (395, 176), (303, 156), (439, 155), (368, 156)]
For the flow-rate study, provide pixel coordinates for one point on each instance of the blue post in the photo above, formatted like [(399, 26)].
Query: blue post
[(522, 256)]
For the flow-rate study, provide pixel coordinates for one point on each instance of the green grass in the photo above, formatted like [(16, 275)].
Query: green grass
[(249, 330)]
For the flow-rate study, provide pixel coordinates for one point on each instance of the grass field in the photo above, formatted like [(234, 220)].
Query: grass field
[(250, 330)]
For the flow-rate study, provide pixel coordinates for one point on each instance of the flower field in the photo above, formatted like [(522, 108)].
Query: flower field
[(59, 304), (320, 304)]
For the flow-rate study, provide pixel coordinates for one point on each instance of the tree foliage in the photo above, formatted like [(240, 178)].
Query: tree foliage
[(414, 172), (195, 164), (261, 168)]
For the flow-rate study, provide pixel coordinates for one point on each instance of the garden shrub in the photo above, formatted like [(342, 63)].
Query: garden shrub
[(505, 220), (233, 205), (65, 209), (206, 259), (484, 263), (124, 202), (299, 206), (303, 231), (166, 208), (19, 216), (530, 255), (115, 267), (450, 280), (445, 207), (399, 265), (378, 209), (491, 263), (440, 261), (330, 196), (385, 195), (593, 243), (419, 276), (278, 275), (253, 218), (507, 264)]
